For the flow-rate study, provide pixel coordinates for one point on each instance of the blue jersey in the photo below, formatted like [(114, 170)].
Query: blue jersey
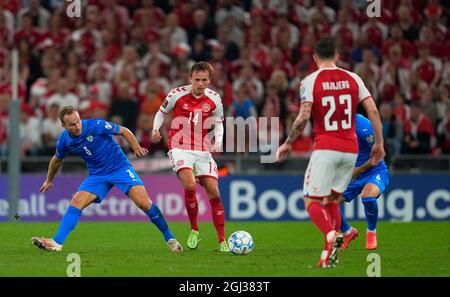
[(366, 140), (95, 145)]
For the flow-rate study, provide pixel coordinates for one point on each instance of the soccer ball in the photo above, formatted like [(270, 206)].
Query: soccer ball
[(240, 243)]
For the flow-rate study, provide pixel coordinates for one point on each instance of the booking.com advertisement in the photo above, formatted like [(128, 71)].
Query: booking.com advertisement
[(408, 198)]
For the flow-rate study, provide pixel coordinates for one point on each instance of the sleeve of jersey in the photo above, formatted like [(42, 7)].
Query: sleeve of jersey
[(61, 149), (167, 105), (306, 89), (362, 89), (218, 113), (108, 128)]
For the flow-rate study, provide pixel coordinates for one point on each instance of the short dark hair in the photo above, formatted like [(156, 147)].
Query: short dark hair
[(65, 111), (325, 48), (202, 66)]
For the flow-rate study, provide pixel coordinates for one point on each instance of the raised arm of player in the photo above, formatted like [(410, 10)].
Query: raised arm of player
[(53, 167), (378, 152), (296, 129), (157, 123), (134, 144)]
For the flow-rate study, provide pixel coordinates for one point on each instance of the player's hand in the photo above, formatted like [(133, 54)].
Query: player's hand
[(283, 151), (377, 154), (156, 136), (140, 152), (45, 186)]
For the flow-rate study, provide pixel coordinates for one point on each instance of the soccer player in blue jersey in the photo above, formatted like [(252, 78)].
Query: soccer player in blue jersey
[(369, 181), (108, 166)]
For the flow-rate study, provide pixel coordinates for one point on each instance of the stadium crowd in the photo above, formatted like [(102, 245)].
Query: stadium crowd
[(121, 57)]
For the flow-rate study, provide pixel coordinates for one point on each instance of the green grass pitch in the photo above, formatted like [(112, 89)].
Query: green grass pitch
[(281, 249)]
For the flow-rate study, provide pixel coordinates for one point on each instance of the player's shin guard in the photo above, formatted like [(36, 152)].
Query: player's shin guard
[(335, 214), (191, 203), (68, 223), (157, 218), (218, 216), (320, 217), (371, 210)]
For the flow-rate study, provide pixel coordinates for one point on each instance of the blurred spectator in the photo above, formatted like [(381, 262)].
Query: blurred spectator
[(177, 34), (392, 128), (419, 135), (242, 105), (125, 105), (228, 8), (255, 87), (30, 132), (199, 51), (443, 132), (63, 97), (321, 8), (154, 79), (51, 129), (27, 31), (406, 22), (443, 102), (429, 106), (429, 68), (39, 15), (144, 135), (152, 100), (201, 26)]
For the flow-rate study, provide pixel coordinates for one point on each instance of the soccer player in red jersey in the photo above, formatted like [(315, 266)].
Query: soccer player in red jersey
[(332, 95), (195, 109)]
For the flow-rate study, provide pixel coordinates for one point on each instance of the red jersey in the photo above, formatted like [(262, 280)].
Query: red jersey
[(334, 94), (192, 117)]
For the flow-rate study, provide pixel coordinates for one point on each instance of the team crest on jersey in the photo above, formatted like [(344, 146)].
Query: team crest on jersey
[(370, 139), (164, 105), (90, 138), (108, 125), (186, 106), (206, 107), (180, 162)]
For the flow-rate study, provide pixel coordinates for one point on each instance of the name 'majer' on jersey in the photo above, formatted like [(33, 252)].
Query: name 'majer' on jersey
[(193, 117), (335, 94), (95, 145)]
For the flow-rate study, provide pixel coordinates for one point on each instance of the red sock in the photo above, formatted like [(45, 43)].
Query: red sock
[(218, 216), (333, 210), (319, 217), (190, 200)]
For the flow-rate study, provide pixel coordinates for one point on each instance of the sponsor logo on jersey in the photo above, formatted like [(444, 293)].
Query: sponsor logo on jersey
[(164, 105), (186, 106), (206, 107), (90, 138), (108, 125)]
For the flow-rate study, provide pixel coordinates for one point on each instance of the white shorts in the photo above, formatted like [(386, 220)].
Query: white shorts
[(201, 163), (328, 171)]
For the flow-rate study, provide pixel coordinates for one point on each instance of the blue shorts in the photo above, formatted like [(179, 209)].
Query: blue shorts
[(379, 178), (99, 185)]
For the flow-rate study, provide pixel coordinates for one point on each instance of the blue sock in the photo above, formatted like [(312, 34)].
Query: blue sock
[(157, 218), (68, 222), (371, 210), (344, 225)]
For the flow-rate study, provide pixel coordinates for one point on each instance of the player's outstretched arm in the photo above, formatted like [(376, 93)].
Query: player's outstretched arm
[(134, 144), (53, 168), (296, 129), (378, 152)]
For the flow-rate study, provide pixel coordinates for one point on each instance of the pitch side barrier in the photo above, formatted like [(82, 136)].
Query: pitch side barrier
[(254, 198)]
